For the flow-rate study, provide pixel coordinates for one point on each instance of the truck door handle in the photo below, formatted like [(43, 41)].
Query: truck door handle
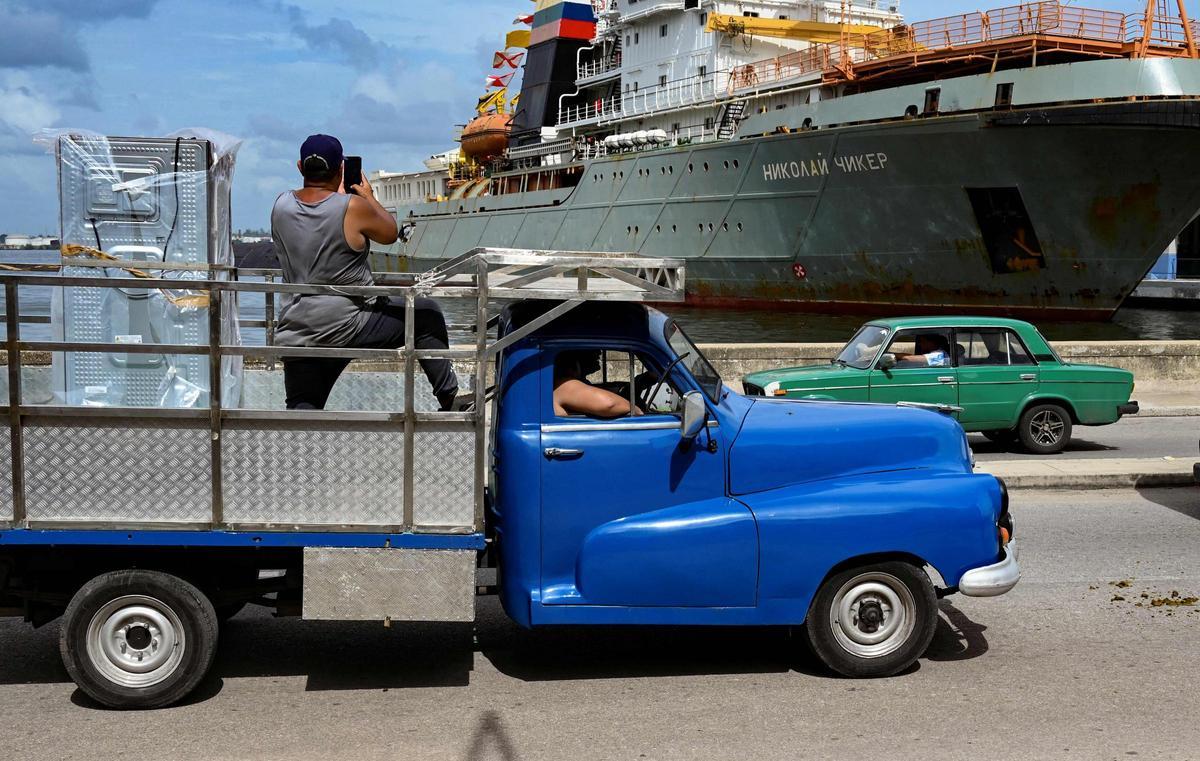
[(1029, 376), (554, 453), (946, 379)]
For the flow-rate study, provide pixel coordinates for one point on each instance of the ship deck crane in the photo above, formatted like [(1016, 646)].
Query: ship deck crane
[(789, 29)]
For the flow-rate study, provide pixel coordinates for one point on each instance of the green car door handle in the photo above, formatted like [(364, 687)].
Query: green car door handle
[(946, 379), (1029, 377)]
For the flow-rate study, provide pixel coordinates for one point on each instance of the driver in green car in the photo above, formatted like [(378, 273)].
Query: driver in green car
[(932, 351)]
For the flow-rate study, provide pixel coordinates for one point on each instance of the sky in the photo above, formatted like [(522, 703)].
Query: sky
[(391, 78)]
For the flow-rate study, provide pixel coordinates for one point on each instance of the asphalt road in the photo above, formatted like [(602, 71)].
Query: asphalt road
[(1130, 437), (1066, 666)]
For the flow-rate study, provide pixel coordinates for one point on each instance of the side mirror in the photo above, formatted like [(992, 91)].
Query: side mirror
[(887, 361), (695, 415)]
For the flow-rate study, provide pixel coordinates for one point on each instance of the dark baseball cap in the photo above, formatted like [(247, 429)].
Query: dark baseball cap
[(321, 154)]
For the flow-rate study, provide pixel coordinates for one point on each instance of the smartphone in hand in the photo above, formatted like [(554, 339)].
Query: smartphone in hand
[(352, 174)]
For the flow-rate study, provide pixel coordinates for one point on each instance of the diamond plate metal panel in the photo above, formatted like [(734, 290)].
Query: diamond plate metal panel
[(444, 476), (6, 489), (354, 392), (119, 471), (374, 584), (314, 473)]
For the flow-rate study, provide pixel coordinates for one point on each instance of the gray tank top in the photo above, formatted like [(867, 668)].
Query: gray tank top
[(310, 240)]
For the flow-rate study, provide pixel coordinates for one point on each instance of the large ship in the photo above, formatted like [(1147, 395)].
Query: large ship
[(825, 156)]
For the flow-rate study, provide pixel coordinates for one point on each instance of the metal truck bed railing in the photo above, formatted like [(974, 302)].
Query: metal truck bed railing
[(226, 468)]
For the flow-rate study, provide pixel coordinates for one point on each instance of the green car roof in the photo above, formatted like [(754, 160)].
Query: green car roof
[(899, 323)]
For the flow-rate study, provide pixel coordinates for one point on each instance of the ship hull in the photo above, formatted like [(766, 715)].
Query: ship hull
[(1050, 212)]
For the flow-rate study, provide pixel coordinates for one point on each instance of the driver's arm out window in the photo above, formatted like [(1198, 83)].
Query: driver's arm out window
[(616, 381)]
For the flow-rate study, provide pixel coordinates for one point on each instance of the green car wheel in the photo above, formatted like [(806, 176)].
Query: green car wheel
[(1045, 429)]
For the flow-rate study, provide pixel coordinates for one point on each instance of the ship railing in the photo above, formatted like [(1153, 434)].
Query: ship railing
[(684, 92), (590, 69), (1049, 19), (1161, 33)]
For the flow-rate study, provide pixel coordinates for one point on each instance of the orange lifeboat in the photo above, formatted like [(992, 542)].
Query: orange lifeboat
[(486, 137)]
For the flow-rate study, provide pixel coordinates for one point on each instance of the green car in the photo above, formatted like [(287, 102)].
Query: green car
[(996, 376)]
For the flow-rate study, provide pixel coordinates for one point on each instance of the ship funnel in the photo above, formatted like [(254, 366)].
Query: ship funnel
[(560, 29)]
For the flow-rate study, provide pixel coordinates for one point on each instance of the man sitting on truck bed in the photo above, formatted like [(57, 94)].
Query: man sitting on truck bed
[(322, 235), (573, 395)]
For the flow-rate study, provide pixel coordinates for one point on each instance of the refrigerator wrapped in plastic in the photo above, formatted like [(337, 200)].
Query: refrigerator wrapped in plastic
[(143, 200)]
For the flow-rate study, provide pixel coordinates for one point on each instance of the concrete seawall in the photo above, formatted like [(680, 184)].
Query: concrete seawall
[(1170, 366)]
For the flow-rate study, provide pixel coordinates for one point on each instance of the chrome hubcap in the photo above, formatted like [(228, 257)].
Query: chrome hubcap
[(872, 615), (135, 641), (1046, 428)]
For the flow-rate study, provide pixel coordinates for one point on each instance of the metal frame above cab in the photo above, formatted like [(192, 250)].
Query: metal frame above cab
[(483, 275)]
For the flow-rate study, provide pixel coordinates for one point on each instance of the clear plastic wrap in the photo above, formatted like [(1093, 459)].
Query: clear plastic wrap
[(145, 200)]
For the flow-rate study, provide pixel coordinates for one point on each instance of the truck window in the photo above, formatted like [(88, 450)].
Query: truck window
[(695, 362), (621, 373)]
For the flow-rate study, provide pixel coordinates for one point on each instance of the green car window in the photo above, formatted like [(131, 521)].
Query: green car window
[(863, 348), (979, 347)]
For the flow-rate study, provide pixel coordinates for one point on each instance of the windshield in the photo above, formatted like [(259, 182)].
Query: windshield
[(704, 373), (861, 350)]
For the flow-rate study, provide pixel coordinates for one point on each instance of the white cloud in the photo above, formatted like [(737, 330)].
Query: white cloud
[(23, 109)]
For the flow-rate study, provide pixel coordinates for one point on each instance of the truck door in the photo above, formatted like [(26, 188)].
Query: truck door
[(924, 371), (631, 515)]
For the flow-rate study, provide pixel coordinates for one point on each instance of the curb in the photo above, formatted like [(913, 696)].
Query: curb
[(1166, 412), (1097, 482)]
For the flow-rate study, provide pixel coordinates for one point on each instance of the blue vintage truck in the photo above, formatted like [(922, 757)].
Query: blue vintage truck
[(142, 528)]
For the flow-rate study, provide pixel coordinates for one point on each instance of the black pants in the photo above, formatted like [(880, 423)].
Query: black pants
[(309, 381)]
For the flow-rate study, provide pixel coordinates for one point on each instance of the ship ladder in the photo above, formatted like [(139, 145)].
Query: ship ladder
[(730, 116)]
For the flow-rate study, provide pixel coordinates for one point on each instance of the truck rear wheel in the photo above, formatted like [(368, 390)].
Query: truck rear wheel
[(873, 621), (138, 639)]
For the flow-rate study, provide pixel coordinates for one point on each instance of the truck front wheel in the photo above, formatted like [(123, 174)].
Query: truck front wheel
[(138, 639), (873, 621)]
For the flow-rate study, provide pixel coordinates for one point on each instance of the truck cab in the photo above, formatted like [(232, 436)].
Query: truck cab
[(705, 507)]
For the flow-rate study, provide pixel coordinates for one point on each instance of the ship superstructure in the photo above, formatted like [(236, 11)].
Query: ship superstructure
[(828, 156)]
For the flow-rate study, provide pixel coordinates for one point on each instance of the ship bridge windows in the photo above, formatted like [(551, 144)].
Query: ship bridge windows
[(1007, 230)]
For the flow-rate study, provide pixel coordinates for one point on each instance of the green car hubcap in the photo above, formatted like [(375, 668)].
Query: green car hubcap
[(1046, 428)]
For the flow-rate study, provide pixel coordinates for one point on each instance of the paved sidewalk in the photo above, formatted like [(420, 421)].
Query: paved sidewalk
[(1092, 474), (1168, 400)]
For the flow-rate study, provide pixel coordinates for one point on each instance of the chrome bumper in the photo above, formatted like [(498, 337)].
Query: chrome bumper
[(993, 580)]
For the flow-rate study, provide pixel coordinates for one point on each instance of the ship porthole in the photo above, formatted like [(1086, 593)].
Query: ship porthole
[(739, 227), (701, 226), (736, 164), (691, 169), (726, 164), (706, 166), (671, 169), (725, 227), (629, 230), (674, 228), (658, 228), (710, 227)]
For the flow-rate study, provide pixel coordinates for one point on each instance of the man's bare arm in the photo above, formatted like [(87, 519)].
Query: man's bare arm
[(577, 398), (368, 217)]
